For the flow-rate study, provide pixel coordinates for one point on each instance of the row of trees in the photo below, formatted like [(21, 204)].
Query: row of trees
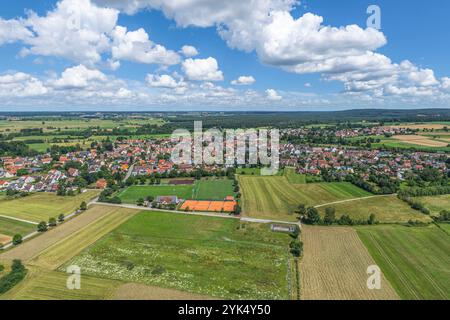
[(310, 215)]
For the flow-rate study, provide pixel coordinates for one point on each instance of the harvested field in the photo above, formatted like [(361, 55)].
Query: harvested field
[(421, 141), (209, 206), (334, 266), (34, 247), (414, 260), (420, 126), (42, 206), (135, 291), (64, 250), (4, 239)]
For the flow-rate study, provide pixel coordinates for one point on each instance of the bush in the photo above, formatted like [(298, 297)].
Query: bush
[(296, 248), (42, 226), (52, 222), (17, 239)]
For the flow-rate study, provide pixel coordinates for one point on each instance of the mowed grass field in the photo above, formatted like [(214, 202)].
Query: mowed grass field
[(276, 198), (12, 227), (42, 206), (134, 193), (294, 177), (202, 255), (334, 266), (435, 204), (388, 209), (213, 189), (414, 260)]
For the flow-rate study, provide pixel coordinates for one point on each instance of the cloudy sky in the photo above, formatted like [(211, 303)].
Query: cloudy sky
[(223, 55)]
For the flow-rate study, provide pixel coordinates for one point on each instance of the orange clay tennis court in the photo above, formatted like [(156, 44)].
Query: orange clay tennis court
[(210, 206)]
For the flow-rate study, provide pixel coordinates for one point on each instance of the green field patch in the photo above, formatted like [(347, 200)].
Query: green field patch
[(211, 256), (294, 177), (435, 204), (134, 193), (387, 209), (414, 260), (12, 227), (213, 189), (42, 206)]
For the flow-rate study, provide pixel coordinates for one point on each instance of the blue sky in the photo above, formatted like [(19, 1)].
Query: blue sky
[(294, 55)]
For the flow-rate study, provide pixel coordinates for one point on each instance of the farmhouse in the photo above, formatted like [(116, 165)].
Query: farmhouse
[(166, 200)]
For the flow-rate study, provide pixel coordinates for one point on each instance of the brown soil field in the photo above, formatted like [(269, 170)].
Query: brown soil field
[(30, 249), (420, 140), (334, 266), (132, 291), (4, 239)]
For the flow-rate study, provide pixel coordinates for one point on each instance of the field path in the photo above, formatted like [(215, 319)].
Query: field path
[(350, 200)]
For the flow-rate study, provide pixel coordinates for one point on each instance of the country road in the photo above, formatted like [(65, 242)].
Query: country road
[(355, 199)]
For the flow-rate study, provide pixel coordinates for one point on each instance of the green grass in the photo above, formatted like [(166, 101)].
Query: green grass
[(134, 193), (210, 256), (294, 177), (436, 204), (414, 260), (249, 171), (446, 227), (388, 209), (11, 227), (42, 206), (213, 189), (276, 198)]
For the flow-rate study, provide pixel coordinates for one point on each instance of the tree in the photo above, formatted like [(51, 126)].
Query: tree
[(83, 206), (296, 247), (140, 202), (312, 216), (52, 222), (42, 226), (372, 219), (61, 218), (330, 216), (150, 198), (17, 239)]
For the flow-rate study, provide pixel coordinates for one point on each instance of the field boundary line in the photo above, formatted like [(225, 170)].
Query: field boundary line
[(20, 220), (355, 199)]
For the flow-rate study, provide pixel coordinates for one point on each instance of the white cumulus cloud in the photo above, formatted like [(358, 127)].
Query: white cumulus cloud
[(202, 69), (243, 81)]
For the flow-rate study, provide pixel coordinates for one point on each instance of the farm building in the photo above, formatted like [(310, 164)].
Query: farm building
[(283, 228), (167, 200)]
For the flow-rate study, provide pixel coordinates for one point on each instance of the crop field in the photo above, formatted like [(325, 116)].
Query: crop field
[(436, 204), (30, 249), (421, 126), (41, 284), (445, 227), (213, 189), (334, 266), (294, 177), (202, 255), (12, 227), (388, 209), (414, 260), (276, 198), (57, 254), (134, 193), (42, 206), (421, 141)]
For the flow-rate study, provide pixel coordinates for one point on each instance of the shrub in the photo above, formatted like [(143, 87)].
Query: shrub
[(17, 274), (17, 239)]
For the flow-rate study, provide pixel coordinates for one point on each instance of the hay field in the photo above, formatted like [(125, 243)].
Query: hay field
[(42, 206), (30, 249), (56, 255), (334, 266), (388, 209), (436, 204), (420, 141), (12, 227), (415, 260), (202, 255), (276, 198)]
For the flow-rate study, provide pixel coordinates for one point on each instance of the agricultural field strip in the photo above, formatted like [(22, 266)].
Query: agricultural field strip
[(17, 219), (350, 200)]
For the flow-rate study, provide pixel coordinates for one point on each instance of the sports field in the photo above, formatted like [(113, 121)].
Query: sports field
[(388, 209), (42, 206), (134, 193), (209, 206), (203, 255), (334, 266), (276, 198), (436, 204), (12, 227), (414, 260), (213, 189)]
